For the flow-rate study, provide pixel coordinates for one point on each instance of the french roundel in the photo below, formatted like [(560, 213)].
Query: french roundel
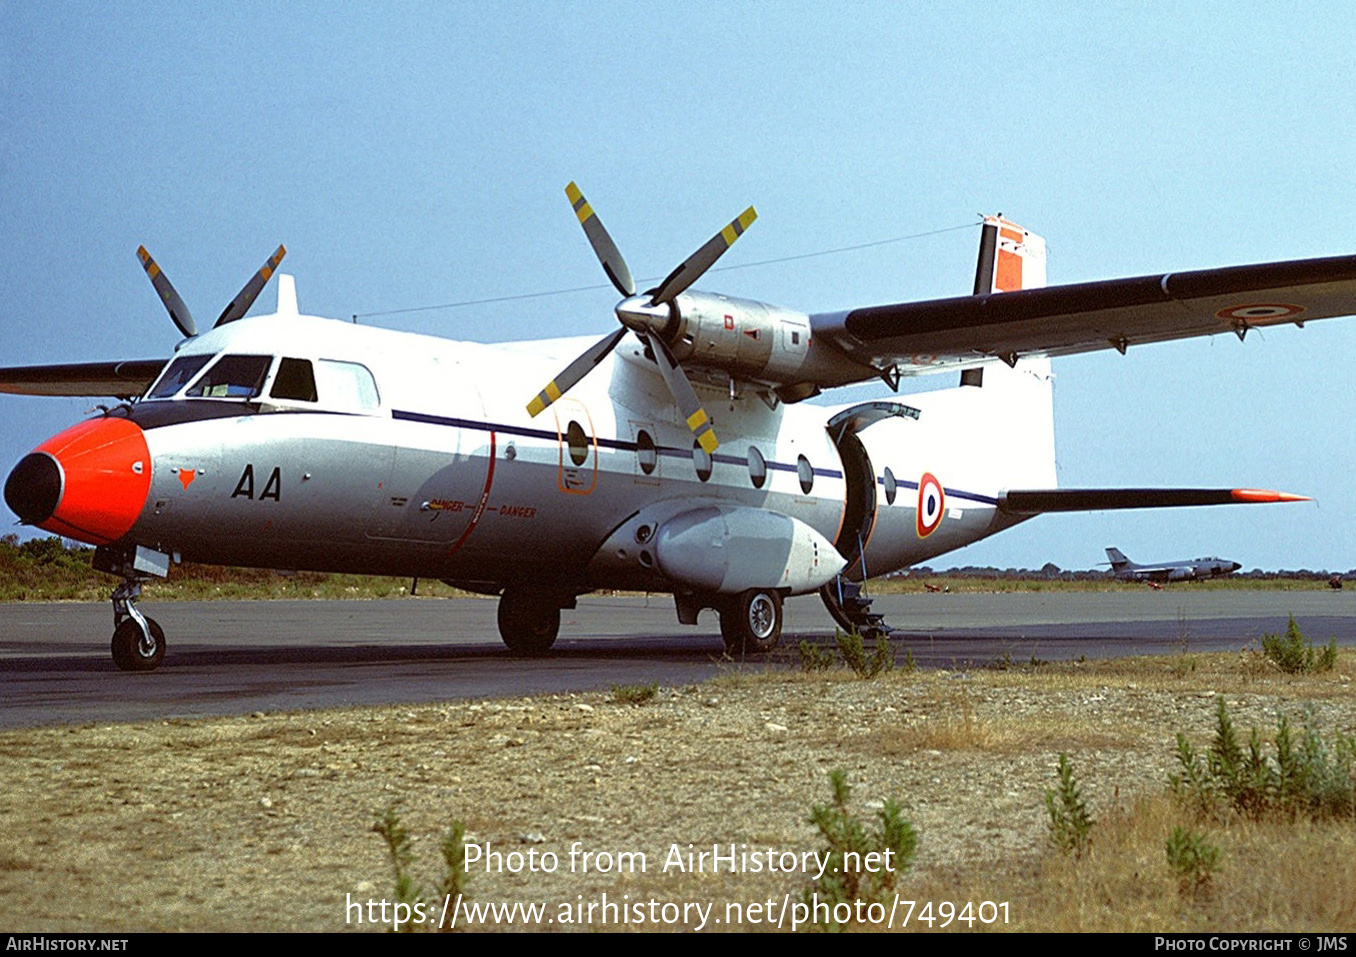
[(931, 504), (1261, 310)]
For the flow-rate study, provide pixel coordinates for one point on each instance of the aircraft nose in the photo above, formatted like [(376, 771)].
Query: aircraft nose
[(33, 489), (89, 482)]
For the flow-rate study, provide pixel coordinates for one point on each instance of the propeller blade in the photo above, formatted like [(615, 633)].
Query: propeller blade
[(688, 403), (691, 269), (575, 371), (603, 247), (165, 289), (245, 298)]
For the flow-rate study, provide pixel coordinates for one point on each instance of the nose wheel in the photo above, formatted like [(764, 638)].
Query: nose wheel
[(138, 641)]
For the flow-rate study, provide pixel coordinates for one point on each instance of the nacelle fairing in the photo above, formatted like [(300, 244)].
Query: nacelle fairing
[(727, 550), (750, 341)]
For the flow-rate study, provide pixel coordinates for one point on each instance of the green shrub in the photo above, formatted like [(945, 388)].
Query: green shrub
[(851, 647), (1070, 823), (1293, 655), (634, 694), (848, 877), (1192, 859), (814, 658), (409, 895), (1307, 778)]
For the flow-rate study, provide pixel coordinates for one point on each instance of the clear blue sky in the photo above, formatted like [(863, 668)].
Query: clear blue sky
[(413, 154)]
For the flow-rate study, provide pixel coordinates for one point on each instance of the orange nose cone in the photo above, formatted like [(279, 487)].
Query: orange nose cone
[(105, 476)]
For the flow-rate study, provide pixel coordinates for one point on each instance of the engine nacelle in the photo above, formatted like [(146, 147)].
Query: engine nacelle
[(730, 549), (754, 341)]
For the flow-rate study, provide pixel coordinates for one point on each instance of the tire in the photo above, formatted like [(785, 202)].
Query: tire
[(527, 624), (751, 623), (130, 652)]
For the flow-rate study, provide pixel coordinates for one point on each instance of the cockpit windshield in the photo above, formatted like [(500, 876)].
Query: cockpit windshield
[(233, 377), (177, 375), (334, 384)]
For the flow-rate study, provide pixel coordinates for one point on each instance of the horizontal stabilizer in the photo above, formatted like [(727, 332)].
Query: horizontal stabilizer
[(1037, 501), (122, 380)]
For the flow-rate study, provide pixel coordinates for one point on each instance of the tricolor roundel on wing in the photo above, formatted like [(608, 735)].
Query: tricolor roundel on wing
[(931, 504)]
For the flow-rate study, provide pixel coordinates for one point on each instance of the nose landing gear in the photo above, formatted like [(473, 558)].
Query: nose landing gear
[(138, 641)]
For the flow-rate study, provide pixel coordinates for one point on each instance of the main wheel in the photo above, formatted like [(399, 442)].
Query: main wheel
[(131, 650), (751, 623), (528, 625)]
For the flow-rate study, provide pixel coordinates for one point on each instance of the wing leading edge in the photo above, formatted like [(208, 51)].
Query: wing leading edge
[(123, 380), (1118, 313)]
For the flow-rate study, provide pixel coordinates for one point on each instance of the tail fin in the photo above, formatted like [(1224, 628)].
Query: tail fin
[(1010, 258), (1118, 559)]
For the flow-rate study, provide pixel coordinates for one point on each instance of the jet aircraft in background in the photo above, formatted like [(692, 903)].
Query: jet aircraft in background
[(1193, 570), (673, 455)]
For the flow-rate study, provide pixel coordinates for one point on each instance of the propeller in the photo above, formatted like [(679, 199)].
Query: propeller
[(237, 307), (646, 315)]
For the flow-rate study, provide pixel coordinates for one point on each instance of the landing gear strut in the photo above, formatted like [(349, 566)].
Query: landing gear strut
[(528, 621), (138, 641), (751, 623)]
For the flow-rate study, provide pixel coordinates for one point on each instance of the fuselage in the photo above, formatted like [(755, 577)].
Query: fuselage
[(295, 442)]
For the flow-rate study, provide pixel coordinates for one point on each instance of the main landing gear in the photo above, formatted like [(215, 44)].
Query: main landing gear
[(138, 641), (751, 622), (529, 621)]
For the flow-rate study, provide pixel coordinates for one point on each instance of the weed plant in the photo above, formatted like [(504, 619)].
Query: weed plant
[(409, 894), (634, 694), (848, 877), (1070, 822), (852, 648), (1193, 859), (1293, 655), (814, 659), (1306, 778)]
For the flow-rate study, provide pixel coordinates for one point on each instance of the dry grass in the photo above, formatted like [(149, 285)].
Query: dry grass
[(263, 822)]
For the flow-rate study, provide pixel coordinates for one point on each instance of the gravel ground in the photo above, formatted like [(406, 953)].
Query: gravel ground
[(264, 822)]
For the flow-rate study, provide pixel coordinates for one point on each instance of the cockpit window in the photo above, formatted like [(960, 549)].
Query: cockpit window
[(294, 380), (347, 386), (177, 375), (233, 377)]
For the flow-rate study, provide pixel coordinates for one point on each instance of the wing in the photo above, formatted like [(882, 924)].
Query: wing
[(1118, 313), (122, 380)]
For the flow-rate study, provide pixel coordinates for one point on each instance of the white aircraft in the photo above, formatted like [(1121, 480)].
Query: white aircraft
[(674, 455)]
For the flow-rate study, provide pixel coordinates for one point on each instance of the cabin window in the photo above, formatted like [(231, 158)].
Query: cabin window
[(233, 377), (891, 486), (646, 454), (347, 386), (806, 473), (578, 441), (757, 468), (701, 461), (294, 380), (177, 375)]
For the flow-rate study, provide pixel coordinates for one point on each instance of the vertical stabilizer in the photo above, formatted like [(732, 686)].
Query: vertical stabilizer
[(1118, 560), (1017, 418), (1010, 258)]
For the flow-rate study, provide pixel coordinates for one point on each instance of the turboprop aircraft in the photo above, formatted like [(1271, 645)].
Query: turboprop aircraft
[(675, 455), (1187, 570)]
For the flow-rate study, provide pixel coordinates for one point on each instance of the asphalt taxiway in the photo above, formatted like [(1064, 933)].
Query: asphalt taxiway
[(233, 657)]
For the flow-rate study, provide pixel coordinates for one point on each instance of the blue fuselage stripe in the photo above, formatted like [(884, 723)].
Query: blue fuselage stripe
[(551, 436)]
